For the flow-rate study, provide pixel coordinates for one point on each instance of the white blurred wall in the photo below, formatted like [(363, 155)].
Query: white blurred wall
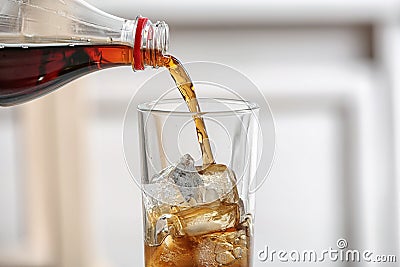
[(329, 72)]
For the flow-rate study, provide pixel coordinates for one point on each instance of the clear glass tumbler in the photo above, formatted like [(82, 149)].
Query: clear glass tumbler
[(195, 214)]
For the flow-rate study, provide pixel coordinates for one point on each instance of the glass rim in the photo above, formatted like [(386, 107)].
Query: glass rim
[(245, 106)]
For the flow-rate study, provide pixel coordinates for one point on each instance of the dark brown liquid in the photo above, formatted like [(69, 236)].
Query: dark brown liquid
[(185, 86), (27, 73), (230, 247), (208, 234)]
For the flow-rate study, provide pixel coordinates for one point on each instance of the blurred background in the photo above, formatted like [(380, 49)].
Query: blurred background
[(328, 68)]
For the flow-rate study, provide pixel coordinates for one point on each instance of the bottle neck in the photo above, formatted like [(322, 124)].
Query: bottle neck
[(149, 40)]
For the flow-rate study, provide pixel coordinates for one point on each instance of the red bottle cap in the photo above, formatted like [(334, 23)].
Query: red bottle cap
[(137, 55)]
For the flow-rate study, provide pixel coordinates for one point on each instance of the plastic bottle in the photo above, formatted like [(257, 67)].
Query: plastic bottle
[(45, 44)]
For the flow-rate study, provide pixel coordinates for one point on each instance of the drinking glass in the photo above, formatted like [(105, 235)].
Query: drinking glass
[(198, 214)]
